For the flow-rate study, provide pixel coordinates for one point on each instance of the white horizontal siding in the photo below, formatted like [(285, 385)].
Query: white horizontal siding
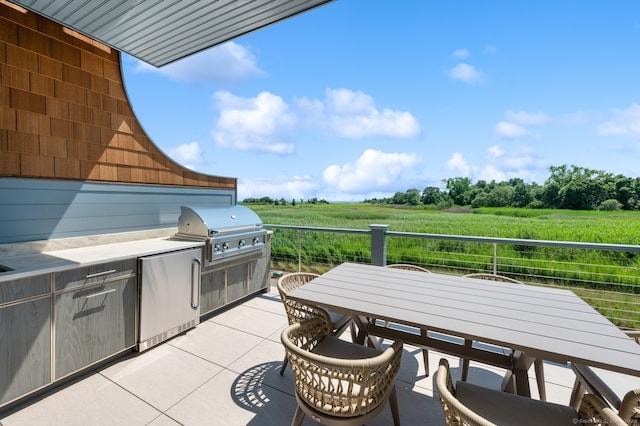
[(41, 209)]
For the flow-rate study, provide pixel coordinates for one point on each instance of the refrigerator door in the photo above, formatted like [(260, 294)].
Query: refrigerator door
[(169, 295)]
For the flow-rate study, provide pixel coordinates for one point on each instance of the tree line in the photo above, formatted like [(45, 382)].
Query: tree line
[(282, 201), (568, 187)]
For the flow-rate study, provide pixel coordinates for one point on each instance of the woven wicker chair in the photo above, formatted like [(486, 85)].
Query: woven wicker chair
[(297, 312), (493, 277), (587, 380), (468, 404), (538, 363), (338, 382), (407, 266)]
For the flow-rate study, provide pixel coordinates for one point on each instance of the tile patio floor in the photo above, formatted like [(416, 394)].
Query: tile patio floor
[(225, 372)]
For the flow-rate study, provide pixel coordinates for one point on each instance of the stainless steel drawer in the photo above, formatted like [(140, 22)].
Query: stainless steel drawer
[(95, 274)]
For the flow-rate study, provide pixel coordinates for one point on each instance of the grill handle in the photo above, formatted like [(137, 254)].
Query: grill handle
[(196, 279)]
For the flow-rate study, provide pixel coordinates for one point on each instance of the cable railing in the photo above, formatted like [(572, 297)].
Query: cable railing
[(607, 276)]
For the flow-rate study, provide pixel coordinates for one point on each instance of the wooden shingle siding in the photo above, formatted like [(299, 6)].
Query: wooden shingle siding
[(42, 209), (64, 111)]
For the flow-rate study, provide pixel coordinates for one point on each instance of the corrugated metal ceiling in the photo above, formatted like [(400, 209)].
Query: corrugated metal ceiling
[(163, 31)]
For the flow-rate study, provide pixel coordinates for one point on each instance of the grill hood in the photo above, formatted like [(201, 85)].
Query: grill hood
[(211, 221), (228, 232)]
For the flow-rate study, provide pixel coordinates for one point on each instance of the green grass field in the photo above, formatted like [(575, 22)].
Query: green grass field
[(610, 281), (621, 227)]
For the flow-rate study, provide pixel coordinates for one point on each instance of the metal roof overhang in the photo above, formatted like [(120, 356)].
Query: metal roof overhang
[(162, 31)]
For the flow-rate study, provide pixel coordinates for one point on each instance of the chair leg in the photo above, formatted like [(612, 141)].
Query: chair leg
[(284, 364), (539, 369), (393, 402), (298, 417)]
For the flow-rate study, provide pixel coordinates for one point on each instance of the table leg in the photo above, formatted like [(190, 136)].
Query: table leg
[(520, 372), (363, 332)]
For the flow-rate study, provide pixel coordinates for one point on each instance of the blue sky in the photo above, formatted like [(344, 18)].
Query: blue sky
[(360, 99)]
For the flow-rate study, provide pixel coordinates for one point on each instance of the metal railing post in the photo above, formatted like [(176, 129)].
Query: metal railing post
[(495, 258), (378, 244), (299, 250)]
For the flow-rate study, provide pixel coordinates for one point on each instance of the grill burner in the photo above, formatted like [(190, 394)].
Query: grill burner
[(228, 231)]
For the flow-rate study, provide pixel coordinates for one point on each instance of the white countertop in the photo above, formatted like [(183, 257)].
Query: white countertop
[(57, 260)]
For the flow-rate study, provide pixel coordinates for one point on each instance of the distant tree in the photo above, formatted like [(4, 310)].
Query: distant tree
[(481, 200), (398, 198), (522, 197), (500, 196), (459, 190), (412, 197), (610, 205), (551, 195), (432, 195)]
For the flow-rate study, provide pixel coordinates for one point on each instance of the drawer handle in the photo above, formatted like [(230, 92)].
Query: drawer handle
[(97, 274), (101, 293)]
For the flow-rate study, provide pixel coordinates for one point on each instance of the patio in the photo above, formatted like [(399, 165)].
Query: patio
[(226, 372)]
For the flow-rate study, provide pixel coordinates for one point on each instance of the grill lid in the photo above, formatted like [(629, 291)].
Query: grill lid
[(208, 221)]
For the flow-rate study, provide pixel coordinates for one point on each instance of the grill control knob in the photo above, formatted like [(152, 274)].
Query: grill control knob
[(256, 240), (225, 246), (241, 243), (216, 247)]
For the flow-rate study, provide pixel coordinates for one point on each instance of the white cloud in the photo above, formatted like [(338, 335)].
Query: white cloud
[(624, 122), (266, 123), (352, 114), (502, 165), (258, 124), (226, 63), (458, 164), (373, 171), (287, 187), (466, 73), (461, 53), (508, 130), (527, 118), (188, 154), (516, 123)]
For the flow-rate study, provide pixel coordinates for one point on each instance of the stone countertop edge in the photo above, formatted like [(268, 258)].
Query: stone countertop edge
[(58, 260)]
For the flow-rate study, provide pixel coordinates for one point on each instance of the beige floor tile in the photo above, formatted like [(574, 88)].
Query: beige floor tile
[(265, 361), (162, 376), (163, 420), (217, 343), (250, 320), (228, 400), (269, 302), (93, 400)]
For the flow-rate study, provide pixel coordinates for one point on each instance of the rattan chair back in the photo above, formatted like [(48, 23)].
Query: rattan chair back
[(493, 277), (296, 311), (593, 410), (407, 266), (334, 390), (630, 407)]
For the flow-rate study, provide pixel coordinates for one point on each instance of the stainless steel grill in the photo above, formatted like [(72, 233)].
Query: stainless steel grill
[(230, 231)]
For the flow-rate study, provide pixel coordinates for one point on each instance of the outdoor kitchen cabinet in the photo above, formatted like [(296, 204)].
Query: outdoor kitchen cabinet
[(25, 336), (226, 282), (95, 314)]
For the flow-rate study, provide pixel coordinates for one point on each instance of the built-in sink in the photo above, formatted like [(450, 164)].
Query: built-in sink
[(5, 269)]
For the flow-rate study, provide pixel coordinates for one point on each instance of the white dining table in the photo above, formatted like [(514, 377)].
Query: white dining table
[(534, 322)]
